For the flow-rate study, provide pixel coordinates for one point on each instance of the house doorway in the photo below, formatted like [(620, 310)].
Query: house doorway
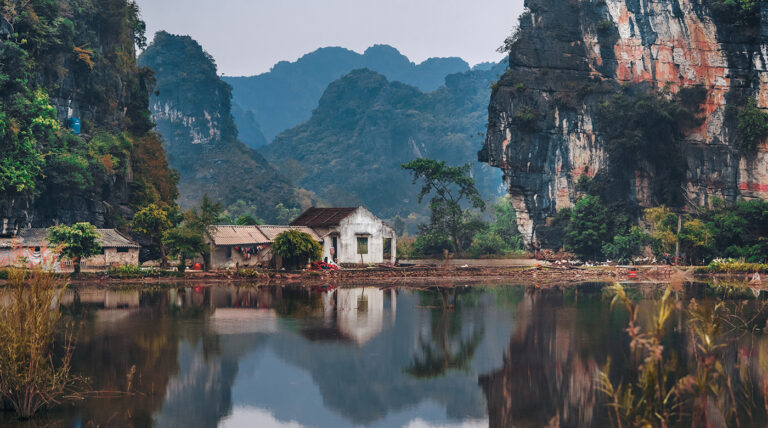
[(335, 248), (387, 249)]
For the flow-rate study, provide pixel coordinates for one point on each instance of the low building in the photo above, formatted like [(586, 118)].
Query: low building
[(31, 246), (247, 246), (351, 235)]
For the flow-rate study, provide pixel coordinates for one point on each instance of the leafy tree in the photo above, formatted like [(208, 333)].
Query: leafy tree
[(739, 230), (296, 248), (588, 229), (77, 241), (505, 224), (185, 243), (202, 220), (154, 222), (246, 220), (451, 187)]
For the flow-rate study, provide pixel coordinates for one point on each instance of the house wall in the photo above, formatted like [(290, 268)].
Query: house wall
[(48, 258), (219, 259), (360, 224)]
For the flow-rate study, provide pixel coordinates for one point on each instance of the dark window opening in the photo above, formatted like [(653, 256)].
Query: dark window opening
[(123, 250)]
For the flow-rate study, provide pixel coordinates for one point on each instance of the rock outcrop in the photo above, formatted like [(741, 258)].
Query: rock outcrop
[(570, 56)]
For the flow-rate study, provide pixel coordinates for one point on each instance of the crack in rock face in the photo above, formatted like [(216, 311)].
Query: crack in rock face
[(571, 56)]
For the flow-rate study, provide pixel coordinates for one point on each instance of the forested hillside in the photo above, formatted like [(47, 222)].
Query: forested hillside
[(67, 61), (351, 149), (192, 108), (286, 95)]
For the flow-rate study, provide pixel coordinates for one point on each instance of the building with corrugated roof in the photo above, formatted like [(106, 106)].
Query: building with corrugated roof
[(31, 246), (348, 235), (236, 246)]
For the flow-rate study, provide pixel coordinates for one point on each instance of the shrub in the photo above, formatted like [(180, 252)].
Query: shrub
[(624, 248), (752, 125), (526, 119), (249, 273), (296, 248)]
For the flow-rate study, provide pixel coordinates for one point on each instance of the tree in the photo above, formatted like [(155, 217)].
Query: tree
[(296, 248), (153, 222), (77, 241), (588, 228), (246, 220), (452, 188), (203, 221), (505, 224), (184, 243)]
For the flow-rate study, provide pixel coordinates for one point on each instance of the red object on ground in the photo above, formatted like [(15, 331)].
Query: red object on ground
[(197, 266), (633, 274), (323, 266)]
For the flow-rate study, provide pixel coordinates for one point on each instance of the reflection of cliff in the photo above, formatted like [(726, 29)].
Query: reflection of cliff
[(546, 378)]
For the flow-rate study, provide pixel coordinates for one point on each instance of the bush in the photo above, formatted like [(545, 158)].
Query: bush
[(625, 248), (487, 243), (126, 271), (526, 119), (249, 273), (296, 248)]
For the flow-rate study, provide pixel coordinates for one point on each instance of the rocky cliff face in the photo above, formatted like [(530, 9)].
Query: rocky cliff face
[(568, 57), (193, 111)]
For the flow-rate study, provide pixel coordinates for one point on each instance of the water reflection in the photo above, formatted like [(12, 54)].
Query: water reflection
[(291, 356)]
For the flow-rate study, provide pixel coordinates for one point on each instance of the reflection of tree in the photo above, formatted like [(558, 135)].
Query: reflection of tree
[(446, 349)]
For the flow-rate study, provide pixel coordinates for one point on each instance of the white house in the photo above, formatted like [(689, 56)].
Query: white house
[(351, 235)]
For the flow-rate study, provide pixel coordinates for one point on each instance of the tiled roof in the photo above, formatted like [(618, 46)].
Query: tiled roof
[(238, 235), (37, 237), (320, 217), (271, 232)]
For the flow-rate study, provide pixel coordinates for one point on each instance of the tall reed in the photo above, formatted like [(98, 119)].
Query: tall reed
[(33, 376)]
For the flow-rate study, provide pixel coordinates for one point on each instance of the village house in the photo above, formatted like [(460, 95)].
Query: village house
[(351, 235), (235, 246), (31, 246)]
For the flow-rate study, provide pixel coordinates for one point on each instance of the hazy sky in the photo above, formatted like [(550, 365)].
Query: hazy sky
[(249, 36)]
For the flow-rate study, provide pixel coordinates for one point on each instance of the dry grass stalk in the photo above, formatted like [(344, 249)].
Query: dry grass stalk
[(31, 376)]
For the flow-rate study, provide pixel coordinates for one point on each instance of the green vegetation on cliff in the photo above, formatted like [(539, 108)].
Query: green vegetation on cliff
[(76, 59)]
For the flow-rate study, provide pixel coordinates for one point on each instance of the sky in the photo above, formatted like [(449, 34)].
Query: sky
[(247, 37)]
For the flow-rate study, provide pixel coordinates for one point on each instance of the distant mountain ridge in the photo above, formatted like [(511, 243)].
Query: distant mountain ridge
[(286, 95), (350, 151)]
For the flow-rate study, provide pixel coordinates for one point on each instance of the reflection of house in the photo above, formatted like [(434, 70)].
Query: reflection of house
[(31, 246), (238, 246), (351, 235), (360, 312)]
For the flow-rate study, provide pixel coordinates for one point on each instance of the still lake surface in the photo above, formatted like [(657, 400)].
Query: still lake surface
[(366, 356)]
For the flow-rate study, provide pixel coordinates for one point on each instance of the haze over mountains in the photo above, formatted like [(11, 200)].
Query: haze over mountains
[(286, 95)]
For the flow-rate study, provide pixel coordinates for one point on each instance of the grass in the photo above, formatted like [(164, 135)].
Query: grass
[(733, 266)]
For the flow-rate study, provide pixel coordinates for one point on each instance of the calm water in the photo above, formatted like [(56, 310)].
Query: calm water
[(292, 357)]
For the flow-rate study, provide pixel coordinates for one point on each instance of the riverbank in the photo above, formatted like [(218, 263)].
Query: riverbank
[(522, 272), (541, 275)]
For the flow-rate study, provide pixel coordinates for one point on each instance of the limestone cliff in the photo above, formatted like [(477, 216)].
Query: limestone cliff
[(569, 56)]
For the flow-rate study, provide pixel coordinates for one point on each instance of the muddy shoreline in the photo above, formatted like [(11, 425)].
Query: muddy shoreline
[(541, 276)]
